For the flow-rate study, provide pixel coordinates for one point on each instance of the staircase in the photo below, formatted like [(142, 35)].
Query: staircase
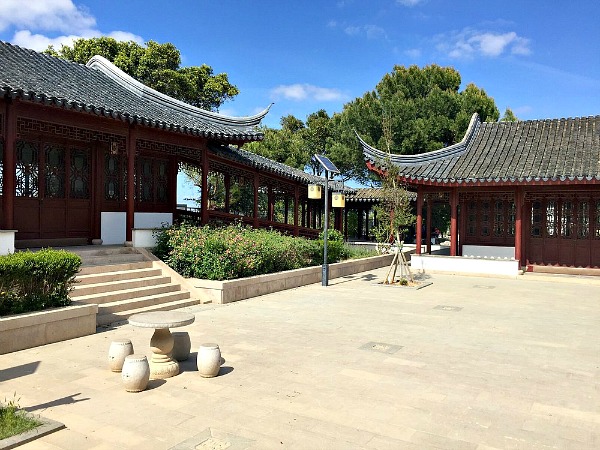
[(122, 282)]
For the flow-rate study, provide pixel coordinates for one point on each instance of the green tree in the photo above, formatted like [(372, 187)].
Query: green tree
[(509, 116), (157, 66), (412, 110), (283, 145)]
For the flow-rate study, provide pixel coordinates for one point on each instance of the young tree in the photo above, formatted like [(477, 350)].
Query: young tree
[(157, 66), (509, 116)]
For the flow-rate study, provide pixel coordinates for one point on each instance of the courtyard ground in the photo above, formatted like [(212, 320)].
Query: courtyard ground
[(465, 363)]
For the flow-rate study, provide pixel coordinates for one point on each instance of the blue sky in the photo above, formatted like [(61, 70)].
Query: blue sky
[(541, 58)]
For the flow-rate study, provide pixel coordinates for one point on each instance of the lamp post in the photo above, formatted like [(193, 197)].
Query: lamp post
[(329, 167)]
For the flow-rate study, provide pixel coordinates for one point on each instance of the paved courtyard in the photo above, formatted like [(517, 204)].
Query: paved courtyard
[(465, 363)]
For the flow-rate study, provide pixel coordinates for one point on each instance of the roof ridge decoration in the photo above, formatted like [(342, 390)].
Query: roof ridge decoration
[(374, 154), (141, 90)]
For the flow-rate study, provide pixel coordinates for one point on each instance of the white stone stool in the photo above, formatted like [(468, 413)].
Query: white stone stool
[(136, 373), (181, 345), (117, 352), (209, 360)]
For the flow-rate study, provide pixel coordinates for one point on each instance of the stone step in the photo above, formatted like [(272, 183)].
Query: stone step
[(88, 270), (117, 275), (119, 285), (113, 317), (127, 294), (142, 302), (104, 260)]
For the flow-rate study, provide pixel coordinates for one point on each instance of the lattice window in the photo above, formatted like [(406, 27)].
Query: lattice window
[(54, 171), (566, 228), (1, 167), (112, 176), (80, 174), (597, 221), (499, 218), (512, 218), (27, 169), (536, 219), (471, 218), (551, 219), (146, 180), (162, 182), (583, 220), (485, 218)]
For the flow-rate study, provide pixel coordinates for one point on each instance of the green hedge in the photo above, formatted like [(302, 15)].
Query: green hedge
[(236, 251), (33, 281)]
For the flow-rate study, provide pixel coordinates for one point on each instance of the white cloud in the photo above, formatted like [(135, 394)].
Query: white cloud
[(56, 15), (409, 2), (61, 17), (370, 31), (300, 92), (469, 43), (413, 53)]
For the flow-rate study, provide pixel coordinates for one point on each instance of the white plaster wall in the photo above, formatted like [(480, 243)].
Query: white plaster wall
[(151, 220), (7, 241), (113, 227), (488, 251), (464, 265), (143, 238)]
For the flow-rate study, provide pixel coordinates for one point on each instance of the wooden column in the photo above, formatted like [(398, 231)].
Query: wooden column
[(346, 223), (130, 208), (271, 208), (359, 233), (172, 183), (428, 226), (227, 180), (419, 225), (256, 187), (204, 188), (296, 209), (454, 222), (519, 253), (10, 140), (367, 214)]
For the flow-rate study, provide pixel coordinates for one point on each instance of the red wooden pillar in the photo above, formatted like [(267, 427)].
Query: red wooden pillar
[(519, 226), (256, 188), (419, 226), (296, 209), (454, 222), (204, 188), (227, 179), (346, 223), (271, 208), (10, 139), (130, 208), (428, 225)]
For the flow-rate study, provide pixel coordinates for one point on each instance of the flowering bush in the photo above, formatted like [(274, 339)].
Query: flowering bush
[(233, 251)]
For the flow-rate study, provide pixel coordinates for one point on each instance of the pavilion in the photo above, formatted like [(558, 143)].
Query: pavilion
[(87, 153), (527, 191)]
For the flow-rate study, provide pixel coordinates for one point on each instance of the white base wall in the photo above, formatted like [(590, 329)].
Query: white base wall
[(464, 265), (7, 241), (112, 228), (488, 251)]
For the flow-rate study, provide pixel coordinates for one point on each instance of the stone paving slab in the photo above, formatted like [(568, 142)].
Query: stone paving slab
[(466, 363)]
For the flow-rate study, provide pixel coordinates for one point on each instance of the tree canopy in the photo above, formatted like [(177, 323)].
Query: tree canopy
[(411, 110), (157, 66)]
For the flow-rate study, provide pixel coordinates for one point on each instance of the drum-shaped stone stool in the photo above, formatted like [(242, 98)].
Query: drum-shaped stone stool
[(136, 373), (117, 352), (209, 360), (181, 345)]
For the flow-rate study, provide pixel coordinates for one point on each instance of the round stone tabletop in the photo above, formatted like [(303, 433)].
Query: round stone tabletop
[(161, 319)]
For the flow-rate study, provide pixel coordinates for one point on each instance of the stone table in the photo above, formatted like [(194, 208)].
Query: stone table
[(162, 365)]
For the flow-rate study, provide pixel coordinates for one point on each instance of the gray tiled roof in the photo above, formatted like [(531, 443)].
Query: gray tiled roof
[(260, 162), (370, 195), (556, 150), (102, 89)]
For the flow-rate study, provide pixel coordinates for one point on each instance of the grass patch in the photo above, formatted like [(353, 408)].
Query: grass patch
[(14, 420)]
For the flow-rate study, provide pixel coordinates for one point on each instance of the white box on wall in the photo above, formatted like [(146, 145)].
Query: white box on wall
[(113, 228)]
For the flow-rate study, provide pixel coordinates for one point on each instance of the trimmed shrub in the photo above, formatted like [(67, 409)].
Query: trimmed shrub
[(33, 281)]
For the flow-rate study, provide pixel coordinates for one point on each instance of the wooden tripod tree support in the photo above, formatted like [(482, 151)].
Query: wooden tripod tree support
[(398, 260)]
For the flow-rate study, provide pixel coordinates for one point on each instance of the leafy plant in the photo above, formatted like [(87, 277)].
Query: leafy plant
[(13, 420)]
